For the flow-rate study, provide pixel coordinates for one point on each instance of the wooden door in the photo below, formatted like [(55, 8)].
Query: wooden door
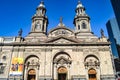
[(31, 74), (92, 74), (62, 73)]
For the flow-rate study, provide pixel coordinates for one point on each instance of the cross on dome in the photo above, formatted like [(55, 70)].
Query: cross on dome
[(61, 19), (79, 2), (61, 22), (42, 4)]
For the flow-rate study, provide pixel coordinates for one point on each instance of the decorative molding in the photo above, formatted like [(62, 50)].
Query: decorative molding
[(6, 49), (36, 50), (104, 49), (61, 50), (86, 50), (28, 50), (107, 76), (5, 52), (46, 50), (94, 50), (0, 49), (77, 50), (78, 76), (21, 49), (90, 50)]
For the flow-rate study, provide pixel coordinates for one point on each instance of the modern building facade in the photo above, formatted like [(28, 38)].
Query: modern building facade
[(114, 37), (60, 54), (113, 27), (116, 8)]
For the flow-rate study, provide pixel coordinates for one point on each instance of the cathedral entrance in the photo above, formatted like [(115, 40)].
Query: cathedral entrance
[(62, 73), (92, 74), (31, 74), (61, 76)]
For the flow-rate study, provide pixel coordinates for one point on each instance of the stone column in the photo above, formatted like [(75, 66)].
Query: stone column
[(37, 74), (55, 72), (98, 74), (68, 73), (25, 73), (87, 77)]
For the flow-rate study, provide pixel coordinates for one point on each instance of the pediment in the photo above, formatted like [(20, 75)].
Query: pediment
[(62, 40), (62, 60), (61, 31)]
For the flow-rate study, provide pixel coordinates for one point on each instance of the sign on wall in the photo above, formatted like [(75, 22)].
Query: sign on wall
[(17, 66)]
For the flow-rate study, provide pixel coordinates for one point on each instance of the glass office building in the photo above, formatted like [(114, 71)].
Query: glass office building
[(116, 8), (113, 32)]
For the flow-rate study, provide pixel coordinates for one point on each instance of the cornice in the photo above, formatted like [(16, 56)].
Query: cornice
[(56, 44)]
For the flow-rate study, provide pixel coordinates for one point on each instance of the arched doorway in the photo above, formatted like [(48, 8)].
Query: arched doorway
[(31, 67), (31, 74), (92, 74), (62, 73)]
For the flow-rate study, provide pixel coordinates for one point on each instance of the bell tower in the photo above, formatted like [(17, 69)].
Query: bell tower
[(81, 20), (40, 20)]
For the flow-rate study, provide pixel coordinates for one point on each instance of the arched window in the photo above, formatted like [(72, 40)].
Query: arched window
[(78, 27), (84, 25)]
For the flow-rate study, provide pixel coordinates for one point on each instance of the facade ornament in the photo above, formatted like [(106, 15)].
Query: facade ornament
[(62, 60), (92, 64), (27, 64), (38, 64), (32, 62), (102, 33)]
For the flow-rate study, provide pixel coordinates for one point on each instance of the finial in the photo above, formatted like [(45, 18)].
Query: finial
[(102, 33), (61, 19), (42, 2), (20, 32), (79, 2)]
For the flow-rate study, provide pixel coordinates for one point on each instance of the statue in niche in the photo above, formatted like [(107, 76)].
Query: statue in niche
[(102, 33), (20, 32), (38, 25), (40, 11)]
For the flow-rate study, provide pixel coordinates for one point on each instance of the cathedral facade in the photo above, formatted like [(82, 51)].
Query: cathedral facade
[(60, 54)]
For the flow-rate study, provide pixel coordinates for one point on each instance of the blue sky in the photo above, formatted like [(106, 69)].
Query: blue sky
[(16, 14)]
